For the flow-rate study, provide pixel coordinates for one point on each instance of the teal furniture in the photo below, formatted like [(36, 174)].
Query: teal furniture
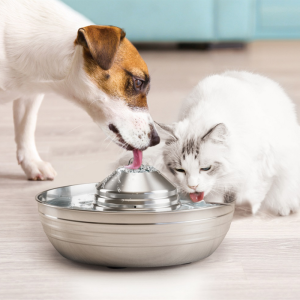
[(196, 20), (277, 19)]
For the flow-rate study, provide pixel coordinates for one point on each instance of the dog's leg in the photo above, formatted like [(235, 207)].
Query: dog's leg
[(25, 116)]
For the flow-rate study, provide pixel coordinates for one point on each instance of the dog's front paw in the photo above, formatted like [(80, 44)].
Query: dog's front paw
[(37, 169)]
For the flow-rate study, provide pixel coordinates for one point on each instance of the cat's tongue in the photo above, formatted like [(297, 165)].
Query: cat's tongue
[(137, 159), (196, 197)]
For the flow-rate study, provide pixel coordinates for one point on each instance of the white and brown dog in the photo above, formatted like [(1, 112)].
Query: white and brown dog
[(47, 47)]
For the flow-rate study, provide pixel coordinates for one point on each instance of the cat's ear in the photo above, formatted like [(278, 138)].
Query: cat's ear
[(166, 131), (218, 134)]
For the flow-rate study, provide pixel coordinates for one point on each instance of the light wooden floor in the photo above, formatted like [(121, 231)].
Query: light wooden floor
[(259, 258)]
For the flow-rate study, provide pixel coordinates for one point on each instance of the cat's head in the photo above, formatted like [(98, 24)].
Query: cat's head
[(197, 158)]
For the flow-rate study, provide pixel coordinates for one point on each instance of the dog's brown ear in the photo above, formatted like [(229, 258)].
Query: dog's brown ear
[(102, 42)]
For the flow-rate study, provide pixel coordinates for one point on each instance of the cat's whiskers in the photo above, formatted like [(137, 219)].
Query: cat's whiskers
[(214, 192), (95, 100), (111, 140)]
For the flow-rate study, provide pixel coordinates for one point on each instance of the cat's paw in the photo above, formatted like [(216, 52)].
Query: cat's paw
[(255, 208), (37, 169), (284, 211)]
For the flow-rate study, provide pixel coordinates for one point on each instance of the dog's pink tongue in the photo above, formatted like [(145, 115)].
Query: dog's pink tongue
[(137, 159), (196, 197)]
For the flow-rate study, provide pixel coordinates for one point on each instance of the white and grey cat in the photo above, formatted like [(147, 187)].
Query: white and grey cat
[(237, 137)]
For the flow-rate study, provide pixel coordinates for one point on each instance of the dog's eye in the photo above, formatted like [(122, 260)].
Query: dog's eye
[(180, 170), (205, 169), (138, 84)]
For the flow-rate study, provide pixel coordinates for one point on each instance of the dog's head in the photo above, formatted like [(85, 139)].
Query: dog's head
[(118, 82)]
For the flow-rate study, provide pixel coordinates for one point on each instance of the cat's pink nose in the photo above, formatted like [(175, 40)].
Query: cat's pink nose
[(193, 187)]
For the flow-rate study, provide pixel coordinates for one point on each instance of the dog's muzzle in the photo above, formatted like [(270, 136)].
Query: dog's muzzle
[(155, 139), (153, 135)]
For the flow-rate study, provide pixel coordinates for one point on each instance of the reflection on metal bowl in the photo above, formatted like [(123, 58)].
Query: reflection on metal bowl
[(131, 219)]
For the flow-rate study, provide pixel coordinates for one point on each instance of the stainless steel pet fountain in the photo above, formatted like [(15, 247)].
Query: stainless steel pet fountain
[(133, 218)]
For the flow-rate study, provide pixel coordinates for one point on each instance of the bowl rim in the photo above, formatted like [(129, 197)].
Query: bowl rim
[(217, 206)]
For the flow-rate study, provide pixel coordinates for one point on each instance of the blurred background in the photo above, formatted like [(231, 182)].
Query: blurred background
[(196, 20)]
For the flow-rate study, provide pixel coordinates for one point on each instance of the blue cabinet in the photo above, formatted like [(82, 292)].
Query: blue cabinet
[(277, 19), (153, 20), (234, 19), (196, 20)]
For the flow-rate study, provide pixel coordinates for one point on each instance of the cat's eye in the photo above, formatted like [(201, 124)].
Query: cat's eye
[(138, 84), (180, 170), (205, 169)]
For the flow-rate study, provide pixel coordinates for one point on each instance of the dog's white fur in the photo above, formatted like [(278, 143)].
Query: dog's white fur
[(37, 56), (259, 154)]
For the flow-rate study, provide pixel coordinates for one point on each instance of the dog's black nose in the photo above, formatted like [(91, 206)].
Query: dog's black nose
[(155, 139), (113, 128)]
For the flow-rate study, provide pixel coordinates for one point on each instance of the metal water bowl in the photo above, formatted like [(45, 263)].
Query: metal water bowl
[(131, 219)]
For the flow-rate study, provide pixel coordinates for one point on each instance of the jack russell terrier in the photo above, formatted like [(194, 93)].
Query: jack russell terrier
[(45, 46)]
